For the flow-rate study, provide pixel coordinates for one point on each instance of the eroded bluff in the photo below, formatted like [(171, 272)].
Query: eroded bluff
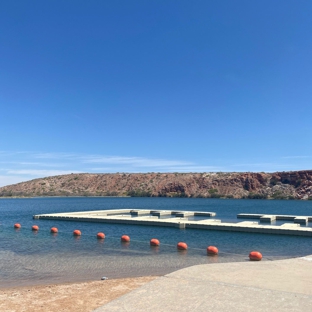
[(278, 185)]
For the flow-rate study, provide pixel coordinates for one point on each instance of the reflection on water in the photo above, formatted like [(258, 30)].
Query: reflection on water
[(28, 257)]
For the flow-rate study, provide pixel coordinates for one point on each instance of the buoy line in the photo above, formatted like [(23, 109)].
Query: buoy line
[(154, 242)]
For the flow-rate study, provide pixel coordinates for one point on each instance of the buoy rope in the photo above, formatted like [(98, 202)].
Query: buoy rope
[(115, 237)]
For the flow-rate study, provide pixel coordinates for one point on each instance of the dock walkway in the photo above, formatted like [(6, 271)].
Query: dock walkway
[(271, 217), (179, 219)]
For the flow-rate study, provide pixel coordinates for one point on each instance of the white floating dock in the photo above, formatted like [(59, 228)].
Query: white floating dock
[(299, 219), (267, 218), (177, 219)]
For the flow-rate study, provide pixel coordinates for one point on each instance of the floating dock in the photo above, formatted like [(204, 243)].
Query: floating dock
[(269, 218), (181, 220)]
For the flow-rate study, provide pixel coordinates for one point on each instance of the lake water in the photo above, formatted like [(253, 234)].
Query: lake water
[(29, 258)]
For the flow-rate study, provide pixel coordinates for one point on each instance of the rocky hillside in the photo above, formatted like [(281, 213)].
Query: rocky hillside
[(279, 185)]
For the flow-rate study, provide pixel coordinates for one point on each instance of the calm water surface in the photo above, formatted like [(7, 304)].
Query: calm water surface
[(28, 258)]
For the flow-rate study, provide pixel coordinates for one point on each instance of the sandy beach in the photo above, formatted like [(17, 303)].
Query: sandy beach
[(85, 296)]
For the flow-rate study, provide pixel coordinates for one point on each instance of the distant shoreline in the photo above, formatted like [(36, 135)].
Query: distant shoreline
[(82, 196)]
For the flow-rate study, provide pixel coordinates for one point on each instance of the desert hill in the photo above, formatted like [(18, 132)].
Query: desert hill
[(278, 185)]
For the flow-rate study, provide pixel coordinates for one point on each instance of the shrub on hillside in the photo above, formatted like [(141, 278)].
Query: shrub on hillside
[(256, 196)]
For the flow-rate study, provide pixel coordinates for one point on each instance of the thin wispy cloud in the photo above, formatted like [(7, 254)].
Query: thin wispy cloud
[(112, 160), (55, 155), (195, 169), (160, 169), (25, 163), (12, 153), (104, 159), (30, 165), (134, 161), (12, 179), (268, 166), (254, 165), (34, 172)]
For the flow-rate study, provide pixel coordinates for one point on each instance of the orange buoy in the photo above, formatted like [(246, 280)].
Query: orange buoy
[(212, 250), (100, 235), (17, 226), (255, 256), (35, 228), (182, 246), (154, 242), (54, 230), (76, 233), (125, 238)]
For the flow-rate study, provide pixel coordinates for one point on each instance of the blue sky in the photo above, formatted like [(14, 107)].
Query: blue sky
[(146, 86)]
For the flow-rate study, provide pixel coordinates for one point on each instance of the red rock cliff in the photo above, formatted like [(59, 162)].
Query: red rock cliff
[(294, 185)]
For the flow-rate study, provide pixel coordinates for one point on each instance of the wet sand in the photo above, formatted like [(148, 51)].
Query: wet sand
[(83, 297)]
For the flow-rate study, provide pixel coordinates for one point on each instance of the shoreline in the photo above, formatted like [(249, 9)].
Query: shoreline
[(78, 296), (159, 290), (127, 196), (84, 296), (31, 283)]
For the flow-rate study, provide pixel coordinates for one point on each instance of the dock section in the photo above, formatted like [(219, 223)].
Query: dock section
[(272, 217), (267, 218), (181, 220)]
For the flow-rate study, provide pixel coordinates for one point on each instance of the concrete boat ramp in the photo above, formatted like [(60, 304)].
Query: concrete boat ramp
[(279, 286), (182, 220)]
